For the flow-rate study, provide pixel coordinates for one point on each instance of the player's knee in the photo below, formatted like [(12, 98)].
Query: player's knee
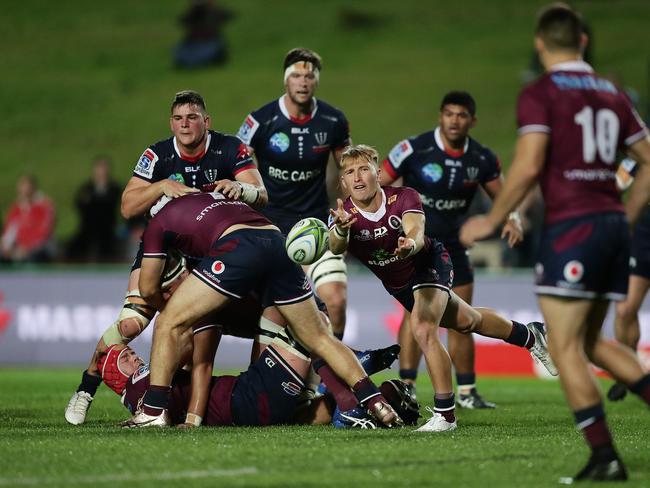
[(424, 331), (625, 312), (469, 322)]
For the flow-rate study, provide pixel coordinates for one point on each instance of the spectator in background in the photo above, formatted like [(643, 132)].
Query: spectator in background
[(97, 202), (27, 235), (203, 43)]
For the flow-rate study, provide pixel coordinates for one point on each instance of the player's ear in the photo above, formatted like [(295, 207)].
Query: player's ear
[(208, 121), (343, 184), (539, 44), (584, 41), (472, 124)]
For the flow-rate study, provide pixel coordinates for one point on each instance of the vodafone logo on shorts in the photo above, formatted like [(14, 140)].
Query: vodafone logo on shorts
[(218, 267), (573, 271)]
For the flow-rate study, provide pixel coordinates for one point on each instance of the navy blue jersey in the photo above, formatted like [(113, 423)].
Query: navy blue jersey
[(447, 181), (224, 158), (292, 155)]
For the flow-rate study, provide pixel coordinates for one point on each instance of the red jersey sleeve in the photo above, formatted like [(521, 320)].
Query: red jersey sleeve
[(532, 111)]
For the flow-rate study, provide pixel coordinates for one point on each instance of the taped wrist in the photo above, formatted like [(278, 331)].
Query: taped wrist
[(249, 193)]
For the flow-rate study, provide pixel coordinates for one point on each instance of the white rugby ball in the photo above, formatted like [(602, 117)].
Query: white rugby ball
[(307, 241)]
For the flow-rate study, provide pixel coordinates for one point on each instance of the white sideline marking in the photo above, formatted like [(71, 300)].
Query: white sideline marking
[(109, 478)]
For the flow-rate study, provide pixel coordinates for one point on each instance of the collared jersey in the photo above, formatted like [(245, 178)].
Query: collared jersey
[(224, 158), (292, 155), (588, 120), (374, 236), (446, 181)]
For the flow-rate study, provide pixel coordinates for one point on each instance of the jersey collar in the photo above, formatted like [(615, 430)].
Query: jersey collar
[(207, 145), (451, 152), (374, 216), (577, 65), (285, 112)]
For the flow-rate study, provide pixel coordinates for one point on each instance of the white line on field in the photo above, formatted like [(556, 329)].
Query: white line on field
[(109, 478)]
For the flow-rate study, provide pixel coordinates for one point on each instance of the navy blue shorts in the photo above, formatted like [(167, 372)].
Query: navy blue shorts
[(267, 393), (640, 249), (137, 262), (433, 269), (585, 257), (250, 258), (463, 269)]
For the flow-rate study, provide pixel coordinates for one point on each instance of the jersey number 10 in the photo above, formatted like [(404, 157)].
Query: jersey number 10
[(601, 137)]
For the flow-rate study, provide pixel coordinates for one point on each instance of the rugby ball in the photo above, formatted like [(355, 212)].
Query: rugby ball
[(307, 241)]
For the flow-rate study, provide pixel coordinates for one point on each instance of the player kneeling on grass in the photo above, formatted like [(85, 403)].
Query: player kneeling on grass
[(240, 250), (383, 227)]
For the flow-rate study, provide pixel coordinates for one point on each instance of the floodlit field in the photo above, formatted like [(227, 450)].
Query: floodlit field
[(528, 441)]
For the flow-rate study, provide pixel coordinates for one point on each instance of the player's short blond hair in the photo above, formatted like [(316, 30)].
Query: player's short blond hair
[(360, 152)]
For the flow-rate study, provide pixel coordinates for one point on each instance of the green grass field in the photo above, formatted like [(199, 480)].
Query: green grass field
[(529, 441), (81, 79)]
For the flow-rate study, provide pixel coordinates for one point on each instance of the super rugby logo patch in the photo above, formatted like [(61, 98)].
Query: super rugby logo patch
[(399, 153), (247, 129), (146, 164), (573, 271), (218, 267)]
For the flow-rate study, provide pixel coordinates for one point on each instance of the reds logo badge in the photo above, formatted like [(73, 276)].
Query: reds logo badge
[(218, 267), (573, 271)]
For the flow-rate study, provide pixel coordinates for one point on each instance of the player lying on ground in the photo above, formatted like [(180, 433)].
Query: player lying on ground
[(268, 393), (383, 227)]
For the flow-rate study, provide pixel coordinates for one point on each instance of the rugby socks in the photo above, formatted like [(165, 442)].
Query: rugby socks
[(465, 382), (344, 398), (409, 374), (520, 336), (642, 388), (366, 392), (156, 399), (89, 383), (591, 421), (445, 405)]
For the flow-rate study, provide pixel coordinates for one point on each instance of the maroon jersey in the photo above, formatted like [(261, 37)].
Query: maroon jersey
[(219, 410), (588, 120), (192, 223), (373, 237)]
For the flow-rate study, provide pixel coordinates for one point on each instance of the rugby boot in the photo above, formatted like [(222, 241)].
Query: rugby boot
[(141, 420), (75, 412), (437, 423), (384, 413), (375, 360), (355, 418), (613, 470), (539, 350), (473, 400), (617, 392)]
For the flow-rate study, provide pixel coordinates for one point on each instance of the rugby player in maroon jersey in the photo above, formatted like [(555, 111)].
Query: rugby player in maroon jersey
[(383, 227), (571, 124), (239, 250)]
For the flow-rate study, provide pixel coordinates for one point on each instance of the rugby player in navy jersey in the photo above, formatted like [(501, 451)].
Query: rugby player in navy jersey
[(571, 124), (239, 250), (293, 139), (196, 158), (626, 325), (383, 227), (446, 167)]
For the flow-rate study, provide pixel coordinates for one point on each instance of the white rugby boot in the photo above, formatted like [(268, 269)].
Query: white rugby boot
[(141, 420), (437, 423), (75, 412), (539, 351)]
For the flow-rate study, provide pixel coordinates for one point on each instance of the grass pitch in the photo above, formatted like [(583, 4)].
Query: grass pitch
[(528, 441)]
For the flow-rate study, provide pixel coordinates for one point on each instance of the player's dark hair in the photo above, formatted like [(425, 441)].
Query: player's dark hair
[(302, 54), (461, 98), (560, 27), (188, 97)]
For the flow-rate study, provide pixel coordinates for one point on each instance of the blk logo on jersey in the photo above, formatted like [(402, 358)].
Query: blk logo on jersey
[(573, 271), (279, 142), (218, 267), (432, 172)]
